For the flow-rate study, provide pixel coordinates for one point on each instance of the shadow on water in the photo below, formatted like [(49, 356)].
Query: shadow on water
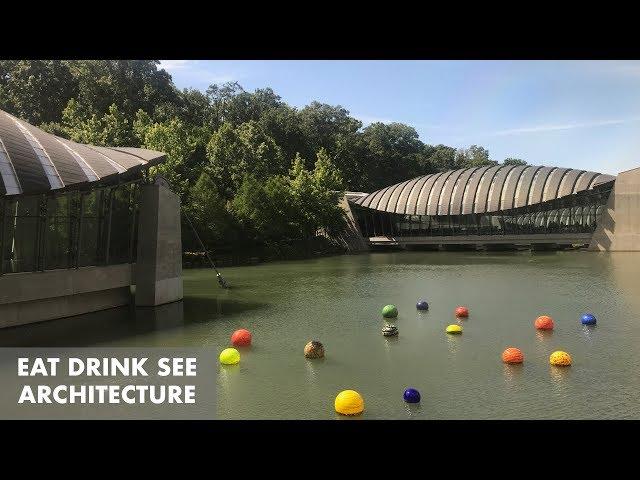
[(122, 322)]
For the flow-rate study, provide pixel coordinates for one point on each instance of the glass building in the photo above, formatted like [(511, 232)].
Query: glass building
[(66, 205), (484, 205)]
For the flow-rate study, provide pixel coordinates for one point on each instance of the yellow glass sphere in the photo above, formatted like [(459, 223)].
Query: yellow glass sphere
[(454, 329), (229, 356), (349, 402), (560, 359)]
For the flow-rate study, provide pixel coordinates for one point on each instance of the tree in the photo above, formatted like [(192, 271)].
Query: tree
[(281, 123), (474, 156), (513, 161), (441, 157), (183, 145), (329, 188), (209, 214), (232, 104), (323, 125), (266, 209), (129, 84), (36, 90), (235, 152), (394, 153), (110, 129)]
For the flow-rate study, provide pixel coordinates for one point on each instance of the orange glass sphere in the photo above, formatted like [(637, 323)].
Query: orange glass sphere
[(462, 312), (544, 322), (512, 355), (241, 338)]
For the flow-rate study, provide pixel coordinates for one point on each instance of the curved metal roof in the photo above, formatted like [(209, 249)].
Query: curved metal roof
[(481, 189), (34, 161)]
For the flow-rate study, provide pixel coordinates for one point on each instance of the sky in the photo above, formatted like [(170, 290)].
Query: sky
[(577, 114)]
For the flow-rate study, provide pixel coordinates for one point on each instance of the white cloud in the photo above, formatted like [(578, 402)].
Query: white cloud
[(169, 65), (565, 126), (197, 74), (368, 119)]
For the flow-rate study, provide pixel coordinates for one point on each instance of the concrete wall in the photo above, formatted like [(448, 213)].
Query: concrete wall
[(36, 296), (352, 238), (159, 263), (619, 228)]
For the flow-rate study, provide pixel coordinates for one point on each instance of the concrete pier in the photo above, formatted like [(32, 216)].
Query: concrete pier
[(619, 228), (159, 261)]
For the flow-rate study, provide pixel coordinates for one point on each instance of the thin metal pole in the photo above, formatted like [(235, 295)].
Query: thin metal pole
[(79, 235), (109, 227), (71, 206), (42, 251), (134, 206), (2, 223), (201, 244)]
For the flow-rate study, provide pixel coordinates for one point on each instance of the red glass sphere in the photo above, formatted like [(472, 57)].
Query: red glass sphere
[(241, 338)]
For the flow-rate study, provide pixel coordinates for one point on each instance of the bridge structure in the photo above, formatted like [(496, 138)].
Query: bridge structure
[(503, 206)]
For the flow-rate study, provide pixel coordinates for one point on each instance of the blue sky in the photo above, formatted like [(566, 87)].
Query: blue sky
[(580, 114)]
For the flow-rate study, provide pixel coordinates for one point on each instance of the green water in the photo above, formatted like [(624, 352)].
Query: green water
[(338, 300)]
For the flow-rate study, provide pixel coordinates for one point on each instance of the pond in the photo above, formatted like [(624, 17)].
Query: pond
[(338, 301)]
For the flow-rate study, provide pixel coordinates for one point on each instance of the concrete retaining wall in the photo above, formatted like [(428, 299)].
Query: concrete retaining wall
[(619, 228), (36, 296)]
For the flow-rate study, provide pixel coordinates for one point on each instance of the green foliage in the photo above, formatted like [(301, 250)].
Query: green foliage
[(394, 153), (441, 157), (234, 153), (514, 161), (36, 90), (179, 142), (112, 129), (209, 213), (251, 169), (474, 156)]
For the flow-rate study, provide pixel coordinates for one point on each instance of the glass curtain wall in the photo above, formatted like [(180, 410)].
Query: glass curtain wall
[(69, 230), (577, 213)]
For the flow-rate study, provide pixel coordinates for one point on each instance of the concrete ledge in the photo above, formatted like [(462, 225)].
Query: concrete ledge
[(22, 313), (485, 239), (30, 286)]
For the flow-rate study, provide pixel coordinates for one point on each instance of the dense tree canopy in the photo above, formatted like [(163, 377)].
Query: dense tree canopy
[(248, 166)]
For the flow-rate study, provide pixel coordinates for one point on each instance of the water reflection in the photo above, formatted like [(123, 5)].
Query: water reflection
[(311, 367), (413, 409), (226, 374), (512, 373), (588, 333), (560, 377), (453, 343), (543, 335)]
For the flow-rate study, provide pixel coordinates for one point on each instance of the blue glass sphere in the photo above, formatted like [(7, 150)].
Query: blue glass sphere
[(422, 305), (588, 319), (411, 395)]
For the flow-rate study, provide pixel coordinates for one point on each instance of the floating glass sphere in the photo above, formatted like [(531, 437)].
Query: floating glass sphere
[(229, 356), (411, 395), (314, 349), (454, 329), (544, 322), (588, 319), (349, 402), (422, 305), (241, 338), (390, 311), (512, 355), (560, 359)]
